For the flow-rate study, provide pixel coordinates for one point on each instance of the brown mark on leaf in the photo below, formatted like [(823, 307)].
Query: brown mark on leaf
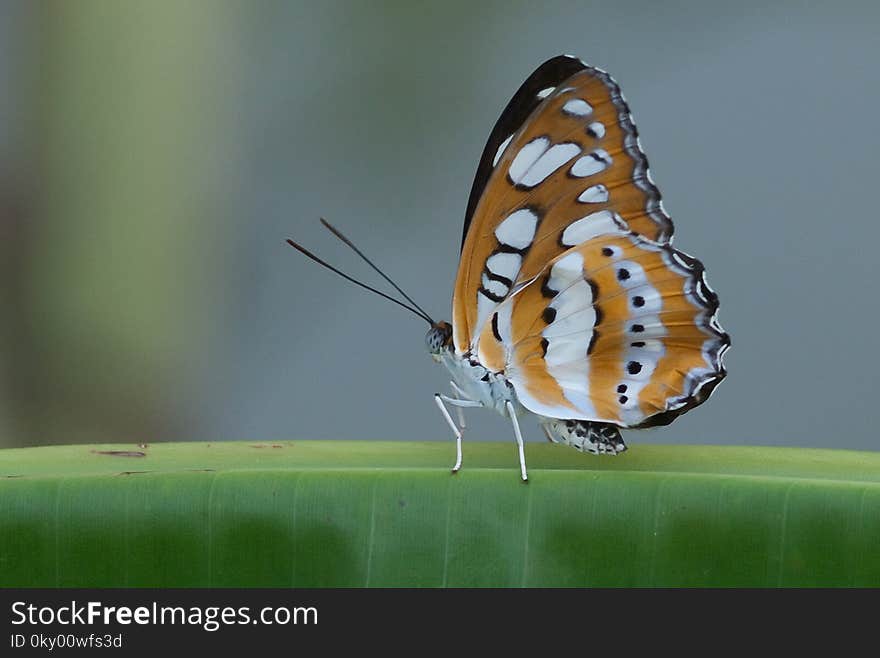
[(132, 472), (120, 453)]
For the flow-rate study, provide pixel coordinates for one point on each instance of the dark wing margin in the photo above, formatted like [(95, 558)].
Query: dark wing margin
[(705, 386), (551, 73)]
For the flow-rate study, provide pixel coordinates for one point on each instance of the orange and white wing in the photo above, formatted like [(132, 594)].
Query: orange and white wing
[(618, 329), (564, 153)]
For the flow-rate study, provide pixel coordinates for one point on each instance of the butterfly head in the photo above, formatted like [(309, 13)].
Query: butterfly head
[(439, 339)]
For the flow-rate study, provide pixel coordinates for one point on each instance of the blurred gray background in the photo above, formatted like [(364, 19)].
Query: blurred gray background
[(154, 156)]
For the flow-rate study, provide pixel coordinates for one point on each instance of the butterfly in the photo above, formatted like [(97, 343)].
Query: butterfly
[(570, 303)]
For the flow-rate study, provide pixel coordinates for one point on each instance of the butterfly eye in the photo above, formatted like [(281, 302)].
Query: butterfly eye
[(439, 337)]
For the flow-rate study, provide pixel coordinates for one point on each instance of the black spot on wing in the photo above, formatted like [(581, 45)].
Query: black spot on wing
[(592, 342), (497, 277), (490, 295), (594, 291), (495, 331), (546, 290)]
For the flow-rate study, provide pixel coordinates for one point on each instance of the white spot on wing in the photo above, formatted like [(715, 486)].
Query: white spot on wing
[(596, 129), (569, 335), (577, 107), (526, 157), (566, 270), (575, 296), (630, 274), (506, 265), (495, 287), (563, 350), (504, 319), (501, 149), (545, 92), (594, 194), (635, 381), (518, 229), (591, 164), (650, 345), (594, 224), (651, 327), (575, 313), (485, 306), (649, 300), (580, 323), (574, 379), (615, 251), (556, 156)]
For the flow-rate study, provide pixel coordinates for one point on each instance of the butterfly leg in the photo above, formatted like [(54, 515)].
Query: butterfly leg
[(519, 441), (440, 400), (458, 394)]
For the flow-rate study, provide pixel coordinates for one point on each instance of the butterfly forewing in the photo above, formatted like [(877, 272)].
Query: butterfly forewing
[(530, 94), (575, 160)]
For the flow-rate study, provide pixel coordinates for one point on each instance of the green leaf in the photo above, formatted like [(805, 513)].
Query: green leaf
[(336, 513)]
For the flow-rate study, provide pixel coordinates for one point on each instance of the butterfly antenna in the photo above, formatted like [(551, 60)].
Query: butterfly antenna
[(335, 231), (309, 254)]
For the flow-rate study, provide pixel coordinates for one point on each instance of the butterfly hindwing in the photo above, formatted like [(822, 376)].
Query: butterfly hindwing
[(618, 329), (571, 159)]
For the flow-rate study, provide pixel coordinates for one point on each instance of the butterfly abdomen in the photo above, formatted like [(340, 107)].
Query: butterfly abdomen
[(586, 436)]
